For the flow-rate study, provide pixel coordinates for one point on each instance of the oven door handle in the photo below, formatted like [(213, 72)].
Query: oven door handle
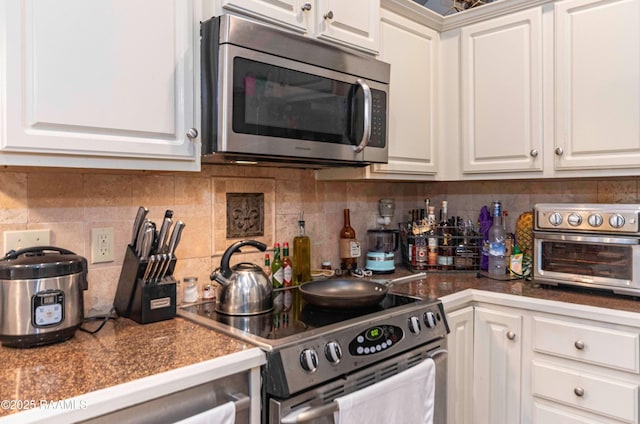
[(438, 352), (311, 414)]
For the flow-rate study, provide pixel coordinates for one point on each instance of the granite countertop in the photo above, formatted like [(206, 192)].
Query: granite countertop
[(124, 351), (437, 285), (121, 352)]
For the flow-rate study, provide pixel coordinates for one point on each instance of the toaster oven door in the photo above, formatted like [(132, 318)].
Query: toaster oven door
[(592, 261)]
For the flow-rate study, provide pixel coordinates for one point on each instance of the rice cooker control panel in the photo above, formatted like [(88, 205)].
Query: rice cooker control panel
[(47, 308)]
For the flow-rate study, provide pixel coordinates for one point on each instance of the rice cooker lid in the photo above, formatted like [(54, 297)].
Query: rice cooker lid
[(40, 262)]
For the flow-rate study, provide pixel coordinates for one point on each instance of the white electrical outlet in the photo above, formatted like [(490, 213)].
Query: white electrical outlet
[(15, 240), (101, 245)]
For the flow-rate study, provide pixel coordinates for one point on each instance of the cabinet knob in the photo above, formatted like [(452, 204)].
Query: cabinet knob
[(511, 335), (579, 344), (578, 391), (329, 15), (559, 151), (534, 153), (192, 134), (306, 7)]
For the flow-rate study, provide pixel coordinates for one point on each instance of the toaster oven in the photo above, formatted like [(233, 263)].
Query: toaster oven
[(589, 245)]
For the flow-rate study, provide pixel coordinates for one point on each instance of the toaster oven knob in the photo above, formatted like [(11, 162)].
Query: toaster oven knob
[(414, 324), (430, 319), (616, 220), (595, 220), (333, 352), (309, 360), (574, 219), (555, 219)]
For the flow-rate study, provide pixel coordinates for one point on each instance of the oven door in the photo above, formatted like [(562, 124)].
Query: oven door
[(317, 405), (600, 261)]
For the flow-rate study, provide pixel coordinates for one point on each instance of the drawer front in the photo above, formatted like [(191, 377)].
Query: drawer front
[(610, 348), (612, 398), (546, 414)]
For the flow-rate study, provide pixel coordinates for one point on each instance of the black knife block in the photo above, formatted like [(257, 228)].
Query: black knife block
[(144, 303)]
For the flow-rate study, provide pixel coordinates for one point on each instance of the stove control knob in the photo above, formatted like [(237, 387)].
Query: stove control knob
[(333, 352), (555, 219), (430, 319), (309, 360), (414, 324), (574, 219), (616, 220), (595, 220)]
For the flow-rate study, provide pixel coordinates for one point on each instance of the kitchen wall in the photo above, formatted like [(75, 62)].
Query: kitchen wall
[(71, 202)]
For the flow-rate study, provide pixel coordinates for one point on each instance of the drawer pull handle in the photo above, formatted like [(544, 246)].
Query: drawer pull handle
[(579, 391), (579, 344), (511, 335)]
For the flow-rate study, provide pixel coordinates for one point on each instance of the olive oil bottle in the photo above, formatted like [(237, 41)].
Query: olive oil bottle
[(301, 254)]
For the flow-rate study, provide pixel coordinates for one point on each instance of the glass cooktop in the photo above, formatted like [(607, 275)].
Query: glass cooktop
[(300, 318)]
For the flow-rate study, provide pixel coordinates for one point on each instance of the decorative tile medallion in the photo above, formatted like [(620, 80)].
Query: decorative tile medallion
[(245, 215)]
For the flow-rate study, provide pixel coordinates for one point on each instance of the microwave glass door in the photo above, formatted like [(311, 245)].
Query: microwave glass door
[(279, 102), (596, 260)]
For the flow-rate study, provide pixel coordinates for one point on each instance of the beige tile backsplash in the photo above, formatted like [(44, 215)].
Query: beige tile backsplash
[(72, 202)]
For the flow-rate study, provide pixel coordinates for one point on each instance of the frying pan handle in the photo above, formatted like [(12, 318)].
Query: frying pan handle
[(225, 270)]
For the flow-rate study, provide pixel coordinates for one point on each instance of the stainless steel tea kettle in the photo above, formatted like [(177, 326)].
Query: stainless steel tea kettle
[(244, 289)]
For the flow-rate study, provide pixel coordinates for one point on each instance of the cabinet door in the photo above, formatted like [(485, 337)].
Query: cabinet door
[(597, 63), (353, 23), (460, 367), (501, 94), (288, 13), (412, 106), (102, 79), (497, 362)]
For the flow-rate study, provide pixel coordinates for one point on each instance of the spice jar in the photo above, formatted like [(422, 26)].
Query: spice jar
[(190, 289), (208, 292)]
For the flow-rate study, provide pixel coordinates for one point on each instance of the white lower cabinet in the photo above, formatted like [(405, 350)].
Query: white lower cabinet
[(484, 366), (497, 357), (513, 360), (585, 370), (460, 367)]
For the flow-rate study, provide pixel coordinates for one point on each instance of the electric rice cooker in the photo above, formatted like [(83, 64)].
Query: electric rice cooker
[(41, 296)]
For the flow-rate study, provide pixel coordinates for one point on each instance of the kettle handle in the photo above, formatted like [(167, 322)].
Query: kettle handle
[(13, 254), (225, 270)]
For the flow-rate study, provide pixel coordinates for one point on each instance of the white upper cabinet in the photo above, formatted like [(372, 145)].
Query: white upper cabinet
[(105, 83), (411, 49), (597, 90), (352, 23), (501, 94)]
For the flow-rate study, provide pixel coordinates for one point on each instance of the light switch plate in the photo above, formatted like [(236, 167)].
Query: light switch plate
[(16, 240)]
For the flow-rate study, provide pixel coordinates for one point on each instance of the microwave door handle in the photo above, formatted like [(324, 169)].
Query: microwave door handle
[(366, 133)]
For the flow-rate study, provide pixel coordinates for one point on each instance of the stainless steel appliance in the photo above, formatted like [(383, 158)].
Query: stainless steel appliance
[(41, 296), (269, 95), (382, 242), (315, 354), (591, 245)]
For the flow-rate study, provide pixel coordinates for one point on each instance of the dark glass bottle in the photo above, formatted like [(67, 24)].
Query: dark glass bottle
[(349, 248), (446, 248)]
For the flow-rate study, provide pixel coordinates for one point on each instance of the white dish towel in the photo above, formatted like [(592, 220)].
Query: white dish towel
[(407, 398), (223, 414)]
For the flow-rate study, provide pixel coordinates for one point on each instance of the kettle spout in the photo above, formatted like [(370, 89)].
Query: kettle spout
[(218, 277)]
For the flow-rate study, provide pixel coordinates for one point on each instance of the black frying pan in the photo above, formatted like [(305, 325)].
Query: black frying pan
[(343, 293)]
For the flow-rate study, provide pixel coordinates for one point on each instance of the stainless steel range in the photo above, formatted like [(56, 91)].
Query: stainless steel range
[(592, 245), (316, 355)]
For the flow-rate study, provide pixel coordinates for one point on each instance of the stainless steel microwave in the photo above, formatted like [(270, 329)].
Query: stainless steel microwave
[(273, 96)]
